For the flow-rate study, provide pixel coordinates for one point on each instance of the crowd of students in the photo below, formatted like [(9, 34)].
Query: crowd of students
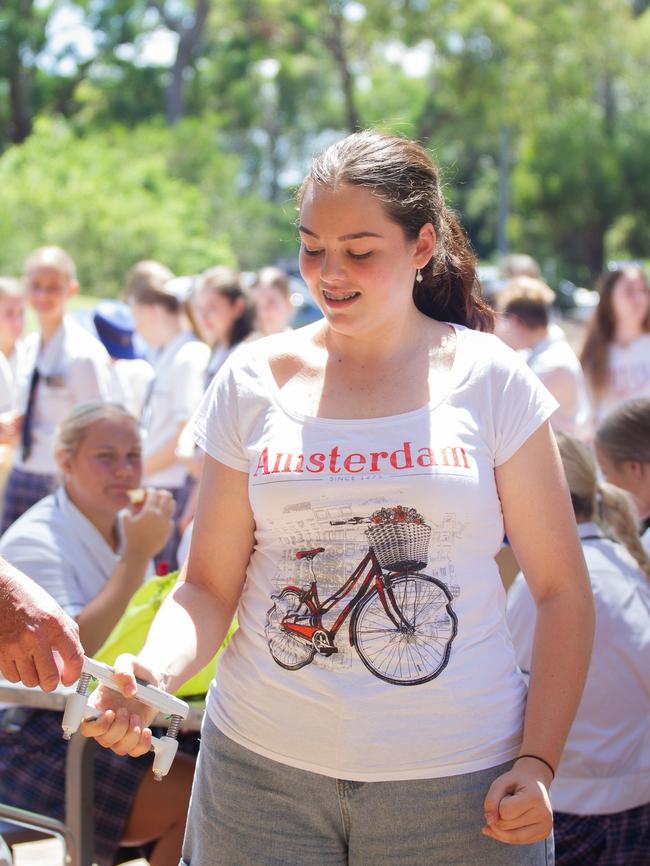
[(87, 418)]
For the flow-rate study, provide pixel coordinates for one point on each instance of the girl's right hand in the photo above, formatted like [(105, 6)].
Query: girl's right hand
[(123, 725), (148, 527)]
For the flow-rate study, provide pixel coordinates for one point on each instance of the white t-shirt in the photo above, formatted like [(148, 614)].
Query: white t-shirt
[(605, 767), (175, 393), (556, 365), (629, 375), (62, 551), (442, 699), (74, 368), (130, 381), (11, 375)]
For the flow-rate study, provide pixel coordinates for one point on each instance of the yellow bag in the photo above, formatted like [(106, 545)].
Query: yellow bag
[(130, 632)]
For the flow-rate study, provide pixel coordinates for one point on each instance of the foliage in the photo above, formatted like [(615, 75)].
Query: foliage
[(537, 111)]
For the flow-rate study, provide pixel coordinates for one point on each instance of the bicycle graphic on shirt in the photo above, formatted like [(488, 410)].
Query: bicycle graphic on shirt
[(401, 621)]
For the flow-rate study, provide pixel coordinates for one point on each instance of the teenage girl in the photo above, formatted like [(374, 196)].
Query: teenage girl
[(616, 353), (623, 451), (601, 794), (64, 366), (358, 476)]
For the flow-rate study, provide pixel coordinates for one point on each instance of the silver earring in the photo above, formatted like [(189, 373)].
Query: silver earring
[(418, 276)]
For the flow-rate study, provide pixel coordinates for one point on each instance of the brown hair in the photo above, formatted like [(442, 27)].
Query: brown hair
[(401, 174), (145, 284), (52, 257), (601, 330), (225, 282), (274, 277), (528, 299), (599, 501), (625, 434)]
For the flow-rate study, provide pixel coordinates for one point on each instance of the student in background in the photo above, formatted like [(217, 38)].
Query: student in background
[(525, 305), (131, 374), (65, 366), (601, 791), (12, 359), (623, 451), (616, 353), (90, 549), (271, 296), (224, 316), (12, 350), (179, 360)]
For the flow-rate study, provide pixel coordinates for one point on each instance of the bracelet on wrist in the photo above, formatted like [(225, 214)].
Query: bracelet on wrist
[(537, 758)]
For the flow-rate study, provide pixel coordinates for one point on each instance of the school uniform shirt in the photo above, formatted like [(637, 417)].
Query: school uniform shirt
[(11, 373), (175, 393), (555, 363), (629, 375), (367, 693), (74, 368), (60, 549), (605, 767), (130, 382)]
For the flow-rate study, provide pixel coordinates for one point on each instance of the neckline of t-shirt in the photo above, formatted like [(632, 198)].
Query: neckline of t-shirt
[(452, 377)]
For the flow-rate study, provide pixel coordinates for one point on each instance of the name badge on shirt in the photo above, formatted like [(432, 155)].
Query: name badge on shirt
[(56, 380)]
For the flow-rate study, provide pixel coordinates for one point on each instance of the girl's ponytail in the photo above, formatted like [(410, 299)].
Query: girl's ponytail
[(618, 514)]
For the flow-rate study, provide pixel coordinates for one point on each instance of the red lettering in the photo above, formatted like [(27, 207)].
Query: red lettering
[(317, 460), (406, 451), (300, 463), (276, 465), (375, 458), (334, 456), (359, 459), (263, 463), (426, 457), (454, 453)]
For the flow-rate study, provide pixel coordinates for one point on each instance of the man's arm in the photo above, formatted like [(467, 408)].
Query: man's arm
[(32, 626)]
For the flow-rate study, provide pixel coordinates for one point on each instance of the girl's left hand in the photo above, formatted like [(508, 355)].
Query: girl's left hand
[(517, 807)]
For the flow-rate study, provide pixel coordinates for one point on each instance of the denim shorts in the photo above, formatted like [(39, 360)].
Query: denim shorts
[(247, 810)]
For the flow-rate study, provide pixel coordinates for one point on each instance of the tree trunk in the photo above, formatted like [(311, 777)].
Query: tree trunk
[(189, 39), (20, 101), (334, 42)]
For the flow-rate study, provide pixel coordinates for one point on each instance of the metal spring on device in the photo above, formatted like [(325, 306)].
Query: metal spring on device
[(82, 685), (174, 725)]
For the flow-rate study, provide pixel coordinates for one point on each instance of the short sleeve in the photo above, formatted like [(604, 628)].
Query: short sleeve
[(39, 559), (186, 380), (521, 404), (215, 425)]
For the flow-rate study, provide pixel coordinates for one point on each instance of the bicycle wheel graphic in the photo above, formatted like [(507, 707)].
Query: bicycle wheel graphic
[(287, 649), (417, 651)]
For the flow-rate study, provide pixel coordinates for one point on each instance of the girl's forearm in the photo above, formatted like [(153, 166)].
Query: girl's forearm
[(186, 632), (560, 661)]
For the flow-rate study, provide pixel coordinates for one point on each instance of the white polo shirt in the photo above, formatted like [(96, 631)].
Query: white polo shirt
[(62, 551), (130, 382), (555, 363), (175, 393), (11, 374), (629, 375), (605, 767), (74, 368)]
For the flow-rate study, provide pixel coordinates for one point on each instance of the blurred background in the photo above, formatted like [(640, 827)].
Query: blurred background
[(179, 129)]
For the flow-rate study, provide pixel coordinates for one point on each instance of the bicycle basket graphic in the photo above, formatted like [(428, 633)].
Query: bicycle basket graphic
[(400, 546)]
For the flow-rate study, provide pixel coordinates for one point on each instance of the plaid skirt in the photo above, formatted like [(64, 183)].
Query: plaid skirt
[(32, 776), (620, 839), (23, 489)]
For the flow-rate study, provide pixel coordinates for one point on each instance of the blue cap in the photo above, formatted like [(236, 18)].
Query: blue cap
[(115, 328)]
